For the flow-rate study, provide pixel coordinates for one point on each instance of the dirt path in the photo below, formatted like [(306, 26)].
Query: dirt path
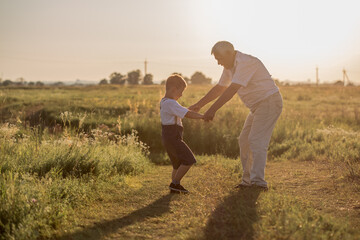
[(320, 184), (119, 217), (146, 209)]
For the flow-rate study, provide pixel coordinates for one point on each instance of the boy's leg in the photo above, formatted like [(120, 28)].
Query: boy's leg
[(174, 160), (180, 173), (245, 153), (173, 174), (186, 158)]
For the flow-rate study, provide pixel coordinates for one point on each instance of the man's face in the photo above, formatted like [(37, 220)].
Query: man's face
[(226, 60)]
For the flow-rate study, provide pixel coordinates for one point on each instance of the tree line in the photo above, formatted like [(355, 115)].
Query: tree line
[(19, 82), (135, 78), (131, 78)]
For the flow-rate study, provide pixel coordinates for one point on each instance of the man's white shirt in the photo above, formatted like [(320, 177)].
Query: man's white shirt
[(171, 112), (251, 74)]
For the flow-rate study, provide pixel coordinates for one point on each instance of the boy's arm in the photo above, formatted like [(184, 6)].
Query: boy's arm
[(193, 115), (215, 92)]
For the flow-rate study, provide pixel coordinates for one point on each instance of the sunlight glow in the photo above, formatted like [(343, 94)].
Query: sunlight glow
[(66, 40)]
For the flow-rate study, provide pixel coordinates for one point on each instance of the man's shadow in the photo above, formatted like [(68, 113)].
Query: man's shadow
[(101, 229), (234, 217)]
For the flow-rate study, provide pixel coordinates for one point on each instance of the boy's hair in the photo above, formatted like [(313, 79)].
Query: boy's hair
[(175, 80)]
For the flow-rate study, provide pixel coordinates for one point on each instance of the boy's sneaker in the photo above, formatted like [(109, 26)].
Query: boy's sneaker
[(177, 188)]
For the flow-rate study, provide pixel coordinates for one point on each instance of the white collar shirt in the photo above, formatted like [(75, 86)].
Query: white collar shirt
[(255, 80)]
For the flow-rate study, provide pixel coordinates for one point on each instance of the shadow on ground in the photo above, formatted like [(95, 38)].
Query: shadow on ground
[(234, 217), (104, 228)]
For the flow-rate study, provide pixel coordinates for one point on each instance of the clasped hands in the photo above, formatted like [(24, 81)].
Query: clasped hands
[(208, 115)]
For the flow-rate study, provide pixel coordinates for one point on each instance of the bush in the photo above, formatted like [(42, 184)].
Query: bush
[(44, 178)]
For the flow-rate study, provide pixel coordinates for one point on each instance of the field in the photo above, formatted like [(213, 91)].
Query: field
[(87, 163)]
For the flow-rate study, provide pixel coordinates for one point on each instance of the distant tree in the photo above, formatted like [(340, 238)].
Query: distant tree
[(148, 79), (117, 78), (134, 77), (200, 78), (77, 83), (103, 81), (31, 83), (58, 84), (20, 81), (7, 82), (38, 83), (163, 82), (339, 83)]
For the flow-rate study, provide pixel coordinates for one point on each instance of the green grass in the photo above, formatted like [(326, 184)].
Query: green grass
[(314, 119), (213, 210), (68, 149), (44, 178)]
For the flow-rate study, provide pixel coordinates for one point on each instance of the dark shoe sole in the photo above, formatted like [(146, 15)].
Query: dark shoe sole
[(240, 186), (260, 188), (174, 190)]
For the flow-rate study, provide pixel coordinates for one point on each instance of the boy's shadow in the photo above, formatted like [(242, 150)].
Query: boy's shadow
[(106, 227), (234, 217)]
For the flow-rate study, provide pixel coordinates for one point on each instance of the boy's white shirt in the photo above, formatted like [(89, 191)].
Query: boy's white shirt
[(251, 74), (170, 111)]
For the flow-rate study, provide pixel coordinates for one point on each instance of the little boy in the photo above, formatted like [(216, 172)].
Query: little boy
[(171, 113)]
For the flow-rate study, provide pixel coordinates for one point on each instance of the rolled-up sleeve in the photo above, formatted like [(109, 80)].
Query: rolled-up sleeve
[(176, 109), (225, 79)]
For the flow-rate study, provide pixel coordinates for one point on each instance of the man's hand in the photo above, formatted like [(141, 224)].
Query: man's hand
[(224, 98), (209, 115), (215, 92), (196, 107)]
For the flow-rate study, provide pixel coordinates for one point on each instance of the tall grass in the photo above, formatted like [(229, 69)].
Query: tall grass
[(44, 177), (299, 134), (60, 147)]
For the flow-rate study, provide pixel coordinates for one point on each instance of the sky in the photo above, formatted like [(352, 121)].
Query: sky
[(49, 40)]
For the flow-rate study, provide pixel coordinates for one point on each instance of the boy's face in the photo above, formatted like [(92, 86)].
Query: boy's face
[(177, 92)]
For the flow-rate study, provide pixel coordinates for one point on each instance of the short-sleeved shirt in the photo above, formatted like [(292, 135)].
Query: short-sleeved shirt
[(251, 74), (171, 112)]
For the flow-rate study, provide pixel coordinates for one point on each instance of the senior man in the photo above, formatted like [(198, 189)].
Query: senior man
[(247, 76)]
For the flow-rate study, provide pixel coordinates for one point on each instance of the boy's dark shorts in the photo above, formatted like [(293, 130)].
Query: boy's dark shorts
[(179, 153)]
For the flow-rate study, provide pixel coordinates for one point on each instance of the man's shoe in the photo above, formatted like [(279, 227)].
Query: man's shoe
[(262, 188), (243, 186), (177, 188)]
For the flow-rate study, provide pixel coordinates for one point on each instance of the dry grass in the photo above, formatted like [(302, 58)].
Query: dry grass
[(314, 167), (213, 209)]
